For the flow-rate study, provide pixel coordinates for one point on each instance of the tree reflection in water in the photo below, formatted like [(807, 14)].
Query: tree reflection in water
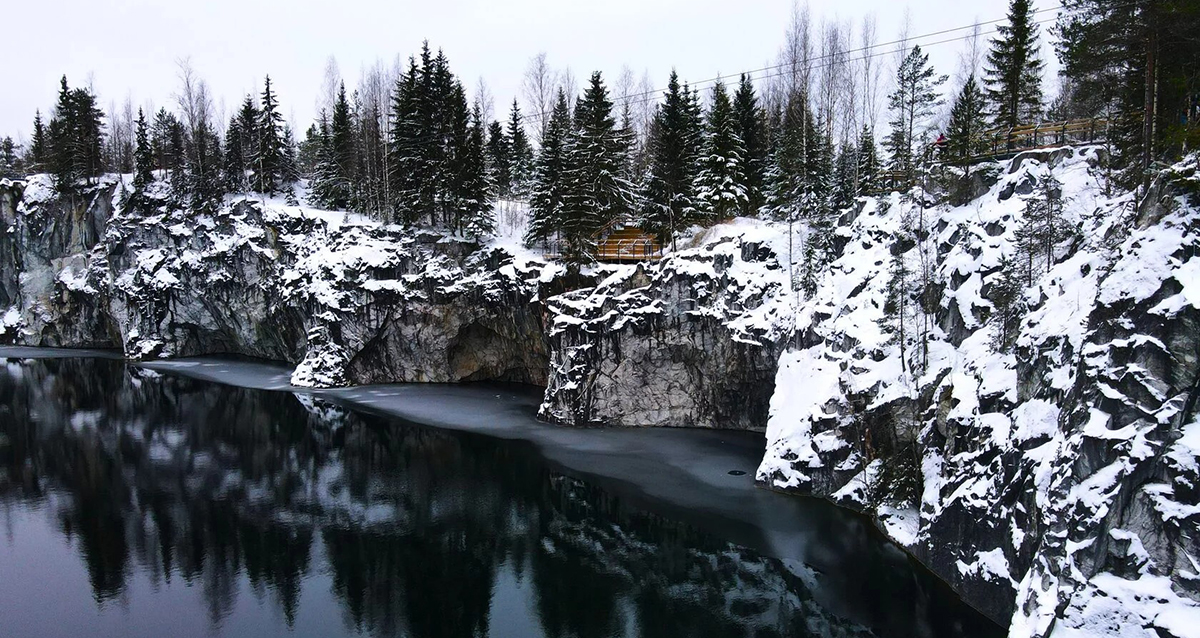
[(182, 480)]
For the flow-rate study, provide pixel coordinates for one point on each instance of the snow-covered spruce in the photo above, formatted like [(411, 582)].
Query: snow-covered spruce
[(1053, 483)]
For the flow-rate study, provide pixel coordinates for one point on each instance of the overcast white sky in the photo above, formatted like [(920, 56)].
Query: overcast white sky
[(131, 46)]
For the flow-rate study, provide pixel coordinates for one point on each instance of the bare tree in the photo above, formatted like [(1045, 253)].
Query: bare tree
[(902, 41), (538, 89), (646, 104), (970, 58), (796, 58), (624, 95), (485, 100), (120, 135), (329, 86), (851, 110), (623, 90), (869, 73), (373, 115), (568, 84), (193, 99), (830, 76)]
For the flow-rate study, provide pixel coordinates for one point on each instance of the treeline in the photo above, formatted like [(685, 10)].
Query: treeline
[(798, 142), (424, 165)]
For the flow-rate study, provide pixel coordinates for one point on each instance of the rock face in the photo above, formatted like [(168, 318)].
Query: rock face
[(1053, 482), (1034, 439), (692, 343), (353, 302), (48, 248), (350, 302)]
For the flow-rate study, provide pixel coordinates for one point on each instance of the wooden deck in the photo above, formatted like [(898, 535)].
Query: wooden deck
[(627, 244), (1006, 143), (1031, 137), (618, 242)]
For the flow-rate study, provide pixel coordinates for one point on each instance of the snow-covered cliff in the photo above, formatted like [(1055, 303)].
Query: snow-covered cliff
[(1055, 482), (348, 300), (693, 341), (1033, 441)]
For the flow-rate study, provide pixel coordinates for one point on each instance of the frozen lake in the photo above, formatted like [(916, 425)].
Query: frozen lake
[(208, 497)]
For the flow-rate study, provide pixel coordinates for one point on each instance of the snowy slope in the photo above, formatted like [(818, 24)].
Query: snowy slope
[(1060, 474)]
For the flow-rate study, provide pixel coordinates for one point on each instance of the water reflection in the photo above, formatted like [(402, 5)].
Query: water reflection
[(272, 505)]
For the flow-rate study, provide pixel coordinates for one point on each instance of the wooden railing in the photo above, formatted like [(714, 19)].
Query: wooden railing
[(618, 241), (1028, 137), (628, 249), (1003, 143)]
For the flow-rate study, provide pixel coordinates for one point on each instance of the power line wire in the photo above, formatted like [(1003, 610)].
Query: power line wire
[(654, 97), (859, 50)]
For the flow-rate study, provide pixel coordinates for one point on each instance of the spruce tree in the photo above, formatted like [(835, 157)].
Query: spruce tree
[(428, 124), (438, 113), (205, 175), (38, 145), (89, 142), (1005, 291), (316, 155), (1014, 69), (549, 178), (269, 162), (897, 306), (241, 145), (408, 167), (818, 201), (178, 158), (329, 156), (62, 140), (10, 160), (912, 104), (595, 192), (721, 181), (75, 138), (788, 190), (751, 128), (168, 147), (845, 188), (868, 162), (143, 155), (788, 193), (499, 160), (819, 176), (1044, 227), (478, 219), (964, 133), (668, 195), (342, 148), (235, 167), (520, 153), (1136, 57), (290, 168)]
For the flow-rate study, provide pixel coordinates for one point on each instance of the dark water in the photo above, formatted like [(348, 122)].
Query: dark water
[(134, 503)]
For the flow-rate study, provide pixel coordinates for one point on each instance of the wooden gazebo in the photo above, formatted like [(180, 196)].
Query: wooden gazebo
[(623, 241)]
